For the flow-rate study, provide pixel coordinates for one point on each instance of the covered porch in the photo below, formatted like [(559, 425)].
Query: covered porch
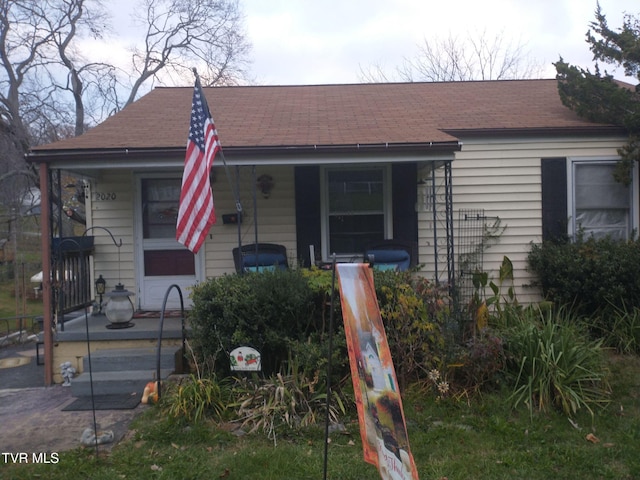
[(413, 189)]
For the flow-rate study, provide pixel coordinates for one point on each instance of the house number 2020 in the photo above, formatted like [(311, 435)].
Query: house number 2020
[(105, 196)]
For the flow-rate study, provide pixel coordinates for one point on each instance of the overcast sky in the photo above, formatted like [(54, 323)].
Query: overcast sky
[(306, 42), (330, 41)]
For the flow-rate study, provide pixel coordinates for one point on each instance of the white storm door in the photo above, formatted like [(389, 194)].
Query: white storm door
[(162, 261)]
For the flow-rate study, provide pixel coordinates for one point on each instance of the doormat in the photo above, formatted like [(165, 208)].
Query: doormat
[(155, 314), (119, 401)]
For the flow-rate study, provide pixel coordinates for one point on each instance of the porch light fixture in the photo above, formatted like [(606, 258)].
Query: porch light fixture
[(424, 201), (119, 310), (265, 185), (101, 285)]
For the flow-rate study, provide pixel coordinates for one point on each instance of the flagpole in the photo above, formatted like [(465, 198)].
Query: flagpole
[(239, 224), (255, 210)]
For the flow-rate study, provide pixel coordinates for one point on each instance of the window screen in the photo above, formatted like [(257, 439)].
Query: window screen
[(601, 205)]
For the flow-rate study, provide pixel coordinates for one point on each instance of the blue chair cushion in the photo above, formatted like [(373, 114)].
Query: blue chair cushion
[(263, 262), (386, 266), (260, 268), (390, 259)]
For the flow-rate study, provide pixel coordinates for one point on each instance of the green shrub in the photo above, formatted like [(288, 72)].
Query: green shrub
[(553, 364), (285, 314), (266, 310), (480, 361), (591, 275), (413, 310)]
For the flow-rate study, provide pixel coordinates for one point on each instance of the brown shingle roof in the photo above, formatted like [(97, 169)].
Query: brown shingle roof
[(328, 115)]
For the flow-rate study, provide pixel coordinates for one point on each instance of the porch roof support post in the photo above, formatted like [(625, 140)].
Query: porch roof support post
[(434, 207), (449, 227), (45, 222)]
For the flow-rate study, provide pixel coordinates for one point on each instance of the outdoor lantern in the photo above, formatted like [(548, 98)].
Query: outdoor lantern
[(119, 310), (101, 286)]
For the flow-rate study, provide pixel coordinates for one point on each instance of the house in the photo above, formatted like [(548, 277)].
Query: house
[(326, 169)]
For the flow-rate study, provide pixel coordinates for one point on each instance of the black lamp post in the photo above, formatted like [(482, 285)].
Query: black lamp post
[(101, 286)]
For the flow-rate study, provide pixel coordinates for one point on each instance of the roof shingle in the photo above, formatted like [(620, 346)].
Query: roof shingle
[(328, 115)]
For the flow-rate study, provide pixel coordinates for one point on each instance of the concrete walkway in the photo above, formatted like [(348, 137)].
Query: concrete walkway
[(31, 416)]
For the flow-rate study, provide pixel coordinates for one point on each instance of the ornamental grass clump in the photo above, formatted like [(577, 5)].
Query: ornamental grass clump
[(283, 403), (619, 328), (554, 365), (195, 398)]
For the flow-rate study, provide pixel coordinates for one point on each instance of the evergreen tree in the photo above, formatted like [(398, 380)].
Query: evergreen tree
[(597, 96)]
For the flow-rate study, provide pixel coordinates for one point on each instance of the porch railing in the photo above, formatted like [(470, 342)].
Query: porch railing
[(71, 280)]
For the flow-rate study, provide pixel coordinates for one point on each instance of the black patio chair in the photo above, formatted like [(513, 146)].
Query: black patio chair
[(260, 257), (392, 254)]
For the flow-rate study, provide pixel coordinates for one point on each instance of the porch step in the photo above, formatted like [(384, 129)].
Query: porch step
[(105, 383), (122, 371), (126, 359)]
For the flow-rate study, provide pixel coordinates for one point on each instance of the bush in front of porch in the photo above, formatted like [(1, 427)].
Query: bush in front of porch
[(274, 312), (284, 314)]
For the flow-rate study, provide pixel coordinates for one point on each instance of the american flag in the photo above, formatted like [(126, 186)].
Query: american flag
[(197, 213)]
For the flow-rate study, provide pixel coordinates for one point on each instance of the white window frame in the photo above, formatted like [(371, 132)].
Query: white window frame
[(572, 163), (324, 207)]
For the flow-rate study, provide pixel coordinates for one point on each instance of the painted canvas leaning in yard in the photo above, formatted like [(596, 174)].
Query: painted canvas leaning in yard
[(383, 427)]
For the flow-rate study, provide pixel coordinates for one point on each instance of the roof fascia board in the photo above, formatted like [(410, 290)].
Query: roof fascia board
[(123, 162), (174, 158), (538, 132)]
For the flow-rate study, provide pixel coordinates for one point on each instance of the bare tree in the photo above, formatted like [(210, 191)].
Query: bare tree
[(475, 57), (181, 34), (49, 90)]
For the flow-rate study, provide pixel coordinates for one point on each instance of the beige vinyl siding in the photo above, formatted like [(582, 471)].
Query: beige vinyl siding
[(112, 197), (503, 177), (276, 220), (276, 216)]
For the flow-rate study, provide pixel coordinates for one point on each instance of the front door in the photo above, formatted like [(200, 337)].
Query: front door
[(162, 261)]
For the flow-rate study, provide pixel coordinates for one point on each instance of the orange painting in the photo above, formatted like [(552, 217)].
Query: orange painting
[(380, 413)]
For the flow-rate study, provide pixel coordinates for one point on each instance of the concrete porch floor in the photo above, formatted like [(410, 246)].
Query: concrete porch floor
[(75, 329)]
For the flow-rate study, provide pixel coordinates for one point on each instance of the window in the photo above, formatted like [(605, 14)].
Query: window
[(160, 199), (355, 209), (162, 255), (600, 206)]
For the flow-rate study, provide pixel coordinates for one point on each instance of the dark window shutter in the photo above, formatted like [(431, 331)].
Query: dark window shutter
[(308, 230), (554, 198), (404, 196)]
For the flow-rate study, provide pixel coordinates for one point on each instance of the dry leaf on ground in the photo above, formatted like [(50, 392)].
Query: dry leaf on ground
[(592, 438)]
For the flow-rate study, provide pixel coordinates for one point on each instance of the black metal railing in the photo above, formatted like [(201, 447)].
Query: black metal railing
[(70, 275), (159, 346)]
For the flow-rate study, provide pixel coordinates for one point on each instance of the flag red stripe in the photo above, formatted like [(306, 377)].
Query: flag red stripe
[(196, 213)]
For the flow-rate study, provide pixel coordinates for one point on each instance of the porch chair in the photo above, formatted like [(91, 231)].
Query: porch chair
[(392, 254), (260, 257)]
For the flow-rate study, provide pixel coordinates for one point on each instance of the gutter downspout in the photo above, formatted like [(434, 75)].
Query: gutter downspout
[(45, 217)]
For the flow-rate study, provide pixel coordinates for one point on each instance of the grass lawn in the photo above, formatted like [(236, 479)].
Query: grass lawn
[(478, 438)]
